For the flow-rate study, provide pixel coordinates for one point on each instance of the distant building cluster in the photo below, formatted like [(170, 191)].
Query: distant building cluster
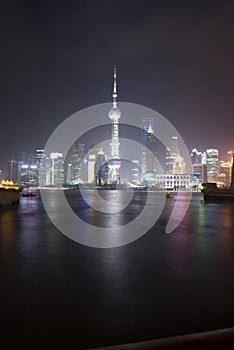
[(54, 171), (92, 167), (208, 167), (95, 167)]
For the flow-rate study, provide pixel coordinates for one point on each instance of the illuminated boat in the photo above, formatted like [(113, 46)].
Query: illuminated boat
[(169, 195), (29, 193), (9, 193)]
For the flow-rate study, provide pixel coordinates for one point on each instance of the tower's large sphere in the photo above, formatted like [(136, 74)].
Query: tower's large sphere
[(114, 113), (114, 163)]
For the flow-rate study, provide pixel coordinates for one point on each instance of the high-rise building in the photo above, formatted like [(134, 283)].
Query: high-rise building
[(199, 166), (114, 161), (179, 167), (20, 156), (29, 175), (174, 147), (212, 161), (56, 170), (45, 171), (77, 156), (174, 162), (230, 156), (37, 156), (169, 162), (136, 172), (147, 124), (224, 177), (101, 168), (199, 172), (14, 167), (34, 169), (91, 165), (14, 170), (196, 156), (150, 150)]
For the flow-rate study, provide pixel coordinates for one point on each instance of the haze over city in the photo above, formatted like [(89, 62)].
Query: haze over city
[(174, 57), (116, 224)]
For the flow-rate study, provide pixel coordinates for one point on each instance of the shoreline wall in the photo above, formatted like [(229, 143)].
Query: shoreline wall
[(9, 196)]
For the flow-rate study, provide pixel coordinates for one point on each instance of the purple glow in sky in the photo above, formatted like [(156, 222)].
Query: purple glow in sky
[(175, 57)]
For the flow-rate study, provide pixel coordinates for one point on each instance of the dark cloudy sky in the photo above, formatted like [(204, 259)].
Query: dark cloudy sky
[(176, 57)]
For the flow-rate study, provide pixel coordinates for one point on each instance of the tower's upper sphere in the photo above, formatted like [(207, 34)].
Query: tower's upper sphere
[(114, 113)]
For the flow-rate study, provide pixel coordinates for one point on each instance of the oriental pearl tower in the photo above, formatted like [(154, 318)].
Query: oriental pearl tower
[(114, 161)]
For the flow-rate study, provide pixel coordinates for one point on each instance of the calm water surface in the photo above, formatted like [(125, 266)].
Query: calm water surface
[(55, 291)]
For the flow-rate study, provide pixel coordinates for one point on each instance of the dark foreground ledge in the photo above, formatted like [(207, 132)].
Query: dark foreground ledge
[(217, 339)]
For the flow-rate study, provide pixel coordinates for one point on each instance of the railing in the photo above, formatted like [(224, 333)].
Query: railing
[(218, 339)]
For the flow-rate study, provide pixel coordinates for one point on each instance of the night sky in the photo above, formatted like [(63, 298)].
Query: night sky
[(57, 57)]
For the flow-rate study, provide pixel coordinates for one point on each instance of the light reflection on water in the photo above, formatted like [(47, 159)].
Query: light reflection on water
[(160, 285), (7, 223), (7, 235)]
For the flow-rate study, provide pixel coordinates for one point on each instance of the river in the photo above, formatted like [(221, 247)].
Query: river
[(55, 291)]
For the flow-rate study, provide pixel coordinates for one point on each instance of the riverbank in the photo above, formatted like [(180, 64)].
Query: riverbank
[(9, 196)]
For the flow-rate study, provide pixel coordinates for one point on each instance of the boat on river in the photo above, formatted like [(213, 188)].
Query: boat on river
[(169, 194), (9, 193), (29, 193), (211, 192)]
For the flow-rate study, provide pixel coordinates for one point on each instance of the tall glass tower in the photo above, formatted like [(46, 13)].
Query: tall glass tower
[(148, 153), (212, 160)]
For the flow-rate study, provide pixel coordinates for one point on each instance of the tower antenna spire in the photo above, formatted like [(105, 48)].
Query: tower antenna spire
[(114, 94)]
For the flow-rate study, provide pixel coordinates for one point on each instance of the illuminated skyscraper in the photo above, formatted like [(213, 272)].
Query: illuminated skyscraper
[(225, 170), (196, 156), (114, 161), (14, 167), (151, 150), (101, 169), (135, 172), (90, 165), (199, 165), (212, 160), (56, 170), (77, 155), (36, 168), (37, 155), (147, 124), (174, 162), (14, 170), (29, 175)]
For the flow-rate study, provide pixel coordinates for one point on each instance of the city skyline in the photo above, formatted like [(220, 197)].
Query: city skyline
[(142, 258), (101, 163), (48, 70), (77, 166)]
